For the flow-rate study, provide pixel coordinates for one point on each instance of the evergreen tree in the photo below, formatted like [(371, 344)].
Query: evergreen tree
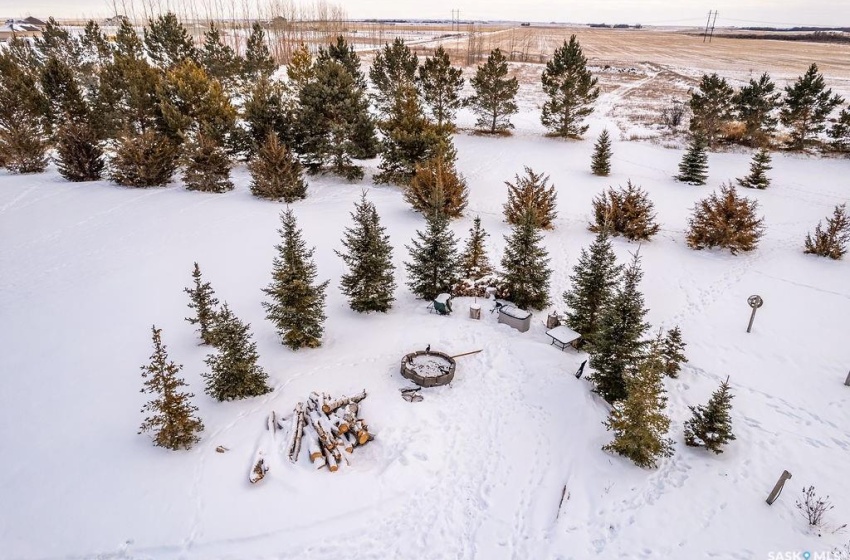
[(23, 145), (711, 108), (206, 165), (433, 267), (437, 187), (145, 160), (594, 278), (234, 372), (758, 179), (526, 265), (807, 104), (693, 168), (393, 72), (202, 302), (727, 221), (571, 90), (299, 70), (639, 423), (268, 109), (332, 109), (297, 303), (168, 42), (755, 104), (673, 351), (220, 60), (494, 100), (63, 92), (600, 163), (79, 151), (441, 84), (23, 106), (831, 242), (618, 340), (409, 139), (258, 60), (276, 173), (364, 141), (172, 419), (57, 42), (369, 282), (711, 425), (626, 211), (531, 196), (840, 131), (474, 263)]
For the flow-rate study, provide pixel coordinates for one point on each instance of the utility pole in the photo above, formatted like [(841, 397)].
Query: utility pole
[(707, 23), (711, 34)]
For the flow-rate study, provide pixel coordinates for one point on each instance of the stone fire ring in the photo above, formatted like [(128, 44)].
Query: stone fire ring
[(428, 369)]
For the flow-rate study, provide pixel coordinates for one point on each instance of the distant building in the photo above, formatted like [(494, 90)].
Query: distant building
[(114, 21), (20, 28)]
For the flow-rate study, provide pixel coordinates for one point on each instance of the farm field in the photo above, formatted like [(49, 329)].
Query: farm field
[(504, 463)]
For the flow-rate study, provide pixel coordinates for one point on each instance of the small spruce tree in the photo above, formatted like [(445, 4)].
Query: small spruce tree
[(234, 372), (673, 351), (758, 179), (839, 132), (168, 42), (626, 211), (297, 303), (79, 152), (693, 168), (299, 70), (171, 416), (148, 159), (600, 163), (437, 187), (206, 165), (831, 242), (618, 341), (639, 421), (725, 220), (276, 172), (268, 108), (474, 263), (571, 90), (525, 265), (202, 302), (531, 196), (594, 278), (494, 100), (806, 106), (369, 282), (258, 60), (433, 268), (711, 425)]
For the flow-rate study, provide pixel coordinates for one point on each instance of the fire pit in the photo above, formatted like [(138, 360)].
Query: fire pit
[(428, 369)]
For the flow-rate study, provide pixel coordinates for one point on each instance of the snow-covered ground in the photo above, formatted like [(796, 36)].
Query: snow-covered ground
[(476, 470)]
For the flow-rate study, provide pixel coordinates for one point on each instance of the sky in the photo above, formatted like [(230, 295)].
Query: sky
[(647, 12)]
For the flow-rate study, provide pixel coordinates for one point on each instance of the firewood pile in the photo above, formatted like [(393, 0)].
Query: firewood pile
[(330, 428)]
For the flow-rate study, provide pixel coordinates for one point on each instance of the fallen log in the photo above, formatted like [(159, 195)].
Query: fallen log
[(466, 353), (298, 422), (313, 444), (331, 406)]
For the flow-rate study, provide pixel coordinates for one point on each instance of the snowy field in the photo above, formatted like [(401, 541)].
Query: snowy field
[(475, 470)]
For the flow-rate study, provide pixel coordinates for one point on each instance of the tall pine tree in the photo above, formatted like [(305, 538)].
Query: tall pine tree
[(594, 278), (693, 169), (525, 265), (474, 262), (440, 84), (392, 72), (600, 163), (494, 100), (639, 422), (168, 42), (618, 341), (755, 105), (758, 179), (806, 106), (258, 60), (711, 425), (171, 416), (202, 302), (433, 267), (219, 59), (297, 303), (234, 372), (369, 282), (571, 90), (711, 107)]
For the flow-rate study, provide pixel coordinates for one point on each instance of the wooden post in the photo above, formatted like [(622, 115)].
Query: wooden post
[(778, 488)]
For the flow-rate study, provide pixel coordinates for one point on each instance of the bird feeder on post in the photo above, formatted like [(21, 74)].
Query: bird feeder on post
[(777, 489), (755, 302)]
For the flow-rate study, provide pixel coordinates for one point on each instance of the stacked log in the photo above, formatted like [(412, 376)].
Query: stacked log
[(331, 428)]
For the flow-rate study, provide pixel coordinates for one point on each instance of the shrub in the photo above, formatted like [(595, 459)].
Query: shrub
[(531, 194), (627, 212), (148, 159), (725, 220), (437, 187), (80, 156), (831, 242)]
